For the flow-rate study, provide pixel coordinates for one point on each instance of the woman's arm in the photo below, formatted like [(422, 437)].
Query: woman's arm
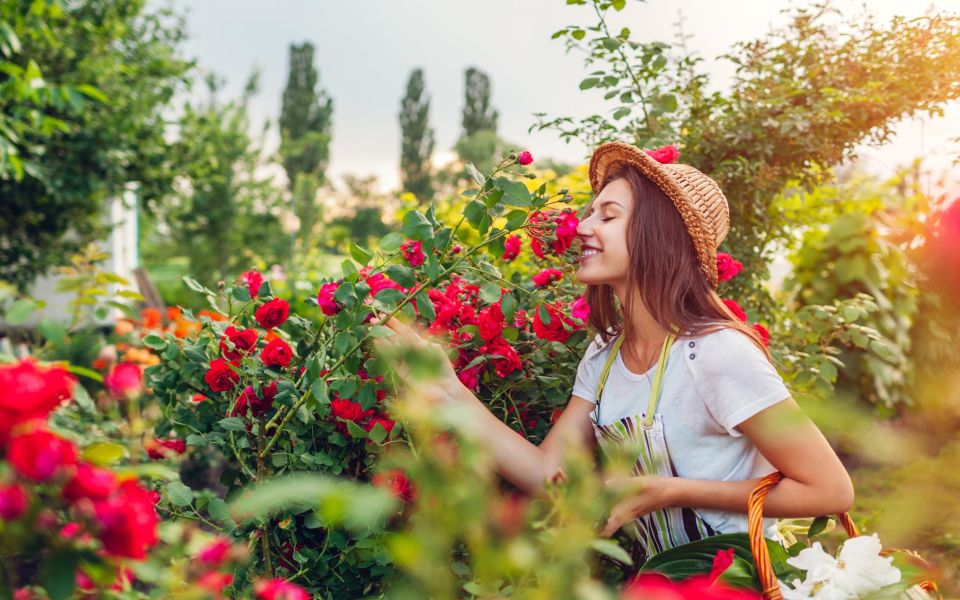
[(516, 459), (815, 481)]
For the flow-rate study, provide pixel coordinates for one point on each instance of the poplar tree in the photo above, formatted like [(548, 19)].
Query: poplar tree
[(417, 138)]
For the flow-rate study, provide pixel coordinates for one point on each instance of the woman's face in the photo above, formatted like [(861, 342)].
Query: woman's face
[(603, 237)]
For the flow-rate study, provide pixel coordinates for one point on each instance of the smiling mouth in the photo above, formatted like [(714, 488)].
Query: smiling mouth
[(588, 253)]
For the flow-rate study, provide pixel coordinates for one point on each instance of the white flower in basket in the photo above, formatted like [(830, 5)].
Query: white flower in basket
[(858, 569)]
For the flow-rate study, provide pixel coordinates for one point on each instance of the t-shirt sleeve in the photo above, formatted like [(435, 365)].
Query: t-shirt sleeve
[(585, 385), (734, 377)]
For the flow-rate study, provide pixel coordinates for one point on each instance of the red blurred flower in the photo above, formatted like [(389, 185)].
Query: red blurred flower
[(547, 276), (215, 553), (579, 309), (243, 340), (214, 582), (764, 334), (665, 154), (254, 280), (37, 454), (328, 304), (511, 248), (491, 322), (151, 318), (654, 586), (276, 354), (727, 267), (128, 521), (124, 381), (259, 405), (28, 391), (198, 398), (90, 482), (736, 309), (413, 252), (387, 424), (279, 589), (524, 158), (395, 481), (220, 376), (13, 501), (272, 314), (161, 449)]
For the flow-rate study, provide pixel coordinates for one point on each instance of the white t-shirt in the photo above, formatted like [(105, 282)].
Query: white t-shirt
[(712, 383)]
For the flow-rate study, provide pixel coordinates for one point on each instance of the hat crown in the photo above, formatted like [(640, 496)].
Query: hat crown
[(705, 196)]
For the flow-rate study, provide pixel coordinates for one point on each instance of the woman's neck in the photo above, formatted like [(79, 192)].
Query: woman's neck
[(645, 335)]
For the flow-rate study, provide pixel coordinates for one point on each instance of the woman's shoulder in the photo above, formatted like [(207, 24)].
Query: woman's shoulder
[(598, 347), (721, 348)]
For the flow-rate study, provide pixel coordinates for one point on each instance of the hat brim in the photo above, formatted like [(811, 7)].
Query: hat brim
[(611, 154)]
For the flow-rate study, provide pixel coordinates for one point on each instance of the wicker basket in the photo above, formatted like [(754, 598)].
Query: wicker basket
[(770, 587)]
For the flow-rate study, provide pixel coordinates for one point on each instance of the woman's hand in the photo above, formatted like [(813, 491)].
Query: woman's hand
[(641, 495), (447, 382)]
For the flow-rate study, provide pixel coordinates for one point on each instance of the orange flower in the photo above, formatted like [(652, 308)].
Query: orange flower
[(213, 316), (151, 318), (173, 313), (124, 327), (186, 328)]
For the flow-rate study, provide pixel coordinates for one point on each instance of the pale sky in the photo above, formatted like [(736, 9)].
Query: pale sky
[(366, 49)]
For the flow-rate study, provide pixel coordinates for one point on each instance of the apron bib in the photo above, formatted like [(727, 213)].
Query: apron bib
[(668, 527)]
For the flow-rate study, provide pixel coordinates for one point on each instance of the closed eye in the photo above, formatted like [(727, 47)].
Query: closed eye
[(607, 219)]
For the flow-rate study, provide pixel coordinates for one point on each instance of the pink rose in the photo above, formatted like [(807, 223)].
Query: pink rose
[(38, 454), (511, 248), (547, 277), (413, 252), (13, 501), (727, 267), (525, 158), (254, 280), (665, 154), (328, 304), (90, 482), (580, 309)]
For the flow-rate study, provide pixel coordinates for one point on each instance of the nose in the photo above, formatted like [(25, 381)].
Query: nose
[(585, 227)]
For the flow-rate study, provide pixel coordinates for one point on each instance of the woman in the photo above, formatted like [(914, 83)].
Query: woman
[(672, 370)]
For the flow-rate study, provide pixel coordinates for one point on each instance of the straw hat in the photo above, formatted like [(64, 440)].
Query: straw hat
[(698, 198)]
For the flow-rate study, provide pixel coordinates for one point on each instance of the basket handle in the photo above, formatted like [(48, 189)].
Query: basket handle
[(770, 587)]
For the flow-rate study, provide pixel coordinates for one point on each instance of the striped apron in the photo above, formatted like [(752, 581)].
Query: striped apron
[(668, 527)]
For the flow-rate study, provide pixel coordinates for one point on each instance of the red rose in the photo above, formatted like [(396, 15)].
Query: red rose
[(161, 449), (272, 314), (214, 581), (215, 553), (124, 381), (379, 281), (279, 589), (736, 309), (509, 360), (328, 304), (276, 354), (721, 561), (511, 248), (38, 454), (555, 331), (90, 482), (348, 410), (764, 334), (491, 322), (384, 421), (128, 521), (259, 405), (546, 277), (524, 158), (727, 267), (395, 482), (554, 230), (470, 377), (28, 391), (413, 252), (243, 340), (197, 398), (665, 154), (221, 376), (254, 280), (13, 501)]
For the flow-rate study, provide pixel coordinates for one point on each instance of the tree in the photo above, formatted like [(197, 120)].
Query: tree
[(417, 142), (63, 155), (225, 213), (305, 132), (477, 112)]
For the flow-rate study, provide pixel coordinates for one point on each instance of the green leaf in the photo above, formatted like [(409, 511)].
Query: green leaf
[(668, 102), (194, 285), (381, 331), (391, 242), (155, 342), (402, 274), (416, 226), (360, 254), (83, 399), (85, 372), (179, 494), (58, 575), (516, 219), (233, 424), (378, 433), (477, 176), (474, 212), (588, 83), (355, 430), (817, 527), (544, 314), (611, 549), (515, 193), (490, 292), (508, 306), (425, 305), (52, 331), (217, 509), (20, 310), (104, 453)]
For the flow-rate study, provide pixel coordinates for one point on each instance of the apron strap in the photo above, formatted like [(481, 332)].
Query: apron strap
[(657, 380)]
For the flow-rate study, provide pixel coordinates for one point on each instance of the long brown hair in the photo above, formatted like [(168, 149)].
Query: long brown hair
[(664, 273)]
